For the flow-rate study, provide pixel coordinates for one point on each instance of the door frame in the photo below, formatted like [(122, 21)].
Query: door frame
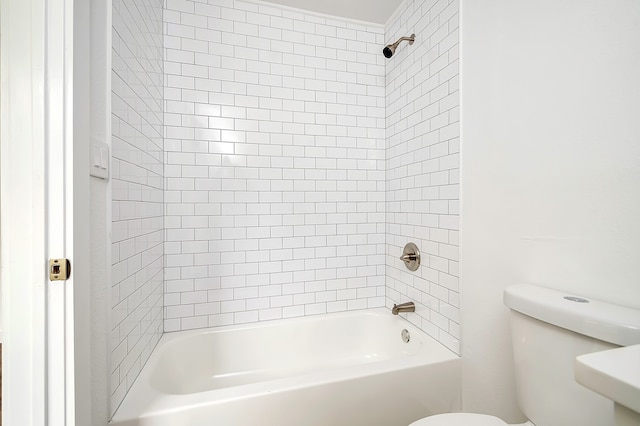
[(23, 212), (44, 199)]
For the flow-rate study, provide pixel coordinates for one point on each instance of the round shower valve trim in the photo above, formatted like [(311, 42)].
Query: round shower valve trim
[(411, 256)]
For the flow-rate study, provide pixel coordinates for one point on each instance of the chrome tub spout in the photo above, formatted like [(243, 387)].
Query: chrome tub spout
[(403, 307)]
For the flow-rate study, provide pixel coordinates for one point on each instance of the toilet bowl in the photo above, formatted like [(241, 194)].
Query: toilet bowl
[(464, 419), (549, 329), (459, 419)]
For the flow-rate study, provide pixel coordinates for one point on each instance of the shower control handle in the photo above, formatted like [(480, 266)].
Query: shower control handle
[(411, 256), (408, 257)]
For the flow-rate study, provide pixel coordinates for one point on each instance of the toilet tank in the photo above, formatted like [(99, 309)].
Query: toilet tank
[(549, 329)]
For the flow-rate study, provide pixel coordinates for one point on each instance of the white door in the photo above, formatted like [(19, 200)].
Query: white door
[(37, 208)]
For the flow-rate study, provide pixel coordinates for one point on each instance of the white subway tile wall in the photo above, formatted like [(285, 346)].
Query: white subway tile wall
[(137, 189), (422, 165), (275, 164)]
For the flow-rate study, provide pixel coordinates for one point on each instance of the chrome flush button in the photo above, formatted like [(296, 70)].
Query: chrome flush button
[(575, 299)]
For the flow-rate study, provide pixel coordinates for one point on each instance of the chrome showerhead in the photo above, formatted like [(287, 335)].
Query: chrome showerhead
[(390, 49)]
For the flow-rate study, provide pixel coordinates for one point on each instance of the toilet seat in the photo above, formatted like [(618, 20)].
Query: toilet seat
[(459, 419)]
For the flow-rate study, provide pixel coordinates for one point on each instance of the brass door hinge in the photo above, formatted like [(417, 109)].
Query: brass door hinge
[(59, 269)]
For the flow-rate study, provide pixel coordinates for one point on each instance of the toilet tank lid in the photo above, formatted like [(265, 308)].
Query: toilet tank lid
[(604, 321)]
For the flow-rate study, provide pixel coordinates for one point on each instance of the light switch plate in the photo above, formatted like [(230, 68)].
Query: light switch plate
[(99, 159)]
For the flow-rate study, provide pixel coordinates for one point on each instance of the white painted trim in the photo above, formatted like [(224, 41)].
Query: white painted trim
[(37, 210), (22, 210), (79, 333), (57, 136)]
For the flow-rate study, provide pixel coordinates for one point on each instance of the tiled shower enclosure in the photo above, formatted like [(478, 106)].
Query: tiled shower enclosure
[(270, 163)]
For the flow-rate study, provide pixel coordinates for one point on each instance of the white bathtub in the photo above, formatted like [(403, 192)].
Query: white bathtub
[(349, 368)]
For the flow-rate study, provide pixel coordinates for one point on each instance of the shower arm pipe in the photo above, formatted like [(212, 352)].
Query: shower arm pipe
[(401, 39)]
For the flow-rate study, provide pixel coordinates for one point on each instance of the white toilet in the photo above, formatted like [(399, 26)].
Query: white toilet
[(549, 330)]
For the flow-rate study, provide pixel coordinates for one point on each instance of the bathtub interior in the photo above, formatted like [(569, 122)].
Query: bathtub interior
[(351, 368), (194, 362)]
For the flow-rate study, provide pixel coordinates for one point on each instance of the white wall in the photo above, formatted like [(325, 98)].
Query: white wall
[(550, 168), (137, 189), (422, 165), (100, 215), (274, 123)]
